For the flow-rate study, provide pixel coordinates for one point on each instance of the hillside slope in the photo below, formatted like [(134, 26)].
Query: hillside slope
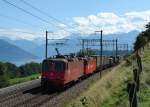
[(10, 52), (110, 91)]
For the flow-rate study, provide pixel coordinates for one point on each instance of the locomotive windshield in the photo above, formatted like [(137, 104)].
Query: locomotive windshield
[(53, 66), (59, 66), (47, 66)]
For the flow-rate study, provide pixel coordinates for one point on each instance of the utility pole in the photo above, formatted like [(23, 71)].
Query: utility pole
[(113, 46), (101, 48), (46, 44), (101, 45), (116, 48), (127, 49), (87, 48), (83, 47)]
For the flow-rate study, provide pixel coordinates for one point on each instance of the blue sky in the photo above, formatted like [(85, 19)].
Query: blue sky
[(110, 15)]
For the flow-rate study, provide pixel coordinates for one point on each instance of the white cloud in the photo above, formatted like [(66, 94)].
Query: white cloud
[(62, 25), (112, 23), (59, 34), (16, 34), (20, 34), (109, 22)]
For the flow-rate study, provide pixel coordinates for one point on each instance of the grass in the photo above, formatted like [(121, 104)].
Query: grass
[(111, 90), (144, 94), (23, 79)]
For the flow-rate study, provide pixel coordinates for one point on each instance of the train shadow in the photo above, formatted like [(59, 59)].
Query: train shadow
[(40, 90)]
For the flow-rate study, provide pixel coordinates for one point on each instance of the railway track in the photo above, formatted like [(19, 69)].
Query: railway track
[(31, 98), (37, 97)]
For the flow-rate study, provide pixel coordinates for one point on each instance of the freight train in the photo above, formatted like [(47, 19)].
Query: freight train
[(60, 71)]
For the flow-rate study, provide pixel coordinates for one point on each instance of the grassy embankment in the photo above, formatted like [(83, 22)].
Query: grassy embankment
[(23, 79), (110, 91)]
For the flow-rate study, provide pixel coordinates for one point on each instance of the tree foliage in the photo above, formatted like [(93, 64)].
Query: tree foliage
[(29, 69), (141, 41), (4, 77), (143, 38), (13, 70)]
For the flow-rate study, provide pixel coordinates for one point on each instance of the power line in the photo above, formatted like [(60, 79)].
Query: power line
[(25, 11), (50, 16), (44, 13), (29, 13), (40, 17), (17, 20)]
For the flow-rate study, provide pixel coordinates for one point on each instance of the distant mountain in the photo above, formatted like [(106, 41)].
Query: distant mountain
[(37, 46), (10, 52), (29, 46)]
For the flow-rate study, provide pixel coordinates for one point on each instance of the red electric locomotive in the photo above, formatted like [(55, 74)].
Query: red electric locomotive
[(59, 72), (62, 70)]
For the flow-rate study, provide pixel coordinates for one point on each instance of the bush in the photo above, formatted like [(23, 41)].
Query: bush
[(128, 62)]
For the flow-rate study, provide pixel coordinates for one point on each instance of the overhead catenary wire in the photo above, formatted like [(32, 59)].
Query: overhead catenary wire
[(17, 20), (50, 16), (27, 12), (44, 13)]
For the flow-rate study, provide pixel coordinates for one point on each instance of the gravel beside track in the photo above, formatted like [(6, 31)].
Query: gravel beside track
[(4, 92), (30, 98)]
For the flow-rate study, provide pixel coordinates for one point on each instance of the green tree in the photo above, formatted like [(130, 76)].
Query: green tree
[(13, 70), (143, 38), (147, 31), (4, 77), (147, 26), (141, 41), (29, 69)]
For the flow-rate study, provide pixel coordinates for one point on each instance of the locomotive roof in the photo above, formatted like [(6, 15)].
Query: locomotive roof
[(57, 59), (63, 59)]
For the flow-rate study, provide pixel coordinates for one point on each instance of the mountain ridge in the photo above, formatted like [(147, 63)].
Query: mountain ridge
[(38, 49), (11, 52)]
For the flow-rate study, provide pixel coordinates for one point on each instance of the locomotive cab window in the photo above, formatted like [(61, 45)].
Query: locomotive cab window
[(47, 66), (59, 66)]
